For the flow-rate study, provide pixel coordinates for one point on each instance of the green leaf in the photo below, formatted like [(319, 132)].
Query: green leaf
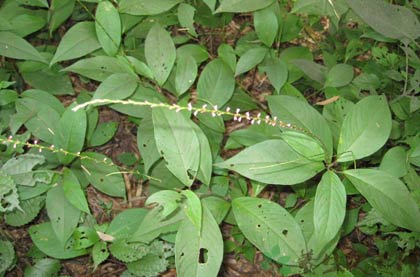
[(117, 86), (146, 143), (388, 195), (26, 24), (103, 133), (13, 46), (199, 254), (206, 161), (167, 199), (7, 255), (160, 53), (270, 228), (34, 3), (273, 162), (177, 143), (250, 59), (99, 253), (364, 132), (304, 145), (126, 223), (108, 27), (314, 71), (266, 25), (79, 41), (395, 162), (330, 208), (277, 72), (146, 7), (241, 6), (186, 18), (198, 52), (128, 252), (393, 21), (70, 134), (216, 83), (339, 76), (186, 72), (218, 207), (9, 198), (193, 209), (29, 209), (227, 54), (63, 215), (45, 239), (60, 10), (44, 267), (20, 168), (297, 112), (104, 177), (73, 191), (148, 266), (98, 68)]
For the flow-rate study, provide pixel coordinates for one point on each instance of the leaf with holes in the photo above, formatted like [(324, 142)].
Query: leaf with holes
[(108, 27), (168, 200), (63, 215), (199, 254), (128, 252), (160, 53), (45, 240), (388, 195), (99, 253), (364, 132), (273, 162), (177, 143), (79, 41), (70, 134), (236, 6), (270, 228), (330, 208), (7, 255), (105, 177)]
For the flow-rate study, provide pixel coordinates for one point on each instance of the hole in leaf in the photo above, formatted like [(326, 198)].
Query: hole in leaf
[(231, 165), (285, 232), (259, 206), (144, 145), (182, 254), (101, 179), (258, 225), (202, 259)]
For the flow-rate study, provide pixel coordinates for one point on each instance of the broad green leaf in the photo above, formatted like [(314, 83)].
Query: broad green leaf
[(193, 209), (146, 143), (34, 3), (314, 71), (393, 21), (128, 252), (63, 215), (250, 59), (178, 143), (186, 18), (227, 54), (13, 46), (79, 41), (330, 208), (273, 162), (108, 27), (29, 209), (7, 255), (73, 191), (44, 267), (103, 133), (395, 162), (105, 177), (266, 25), (99, 253), (126, 223), (160, 53), (26, 24), (140, 67), (388, 195), (206, 160), (270, 228), (320, 7), (339, 76), (186, 72), (216, 83), (117, 86), (20, 169), (60, 10), (277, 72), (152, 226), (146, 7), (297, 112), (304, 145), (199, 255), (241, 6), (218, 207), (70, 134), (149, 266), (45, 239), (98, 68), (167, 199), (365, 129), (198, 52)]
